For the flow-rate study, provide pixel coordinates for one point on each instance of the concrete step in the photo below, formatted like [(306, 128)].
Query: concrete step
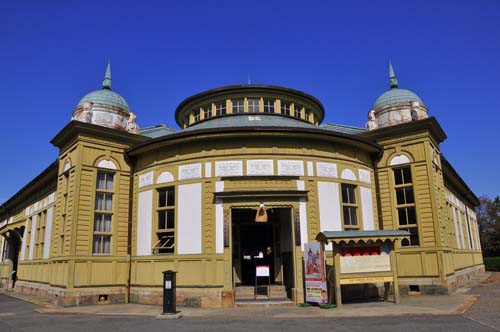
[(264, 303), (247, 292)]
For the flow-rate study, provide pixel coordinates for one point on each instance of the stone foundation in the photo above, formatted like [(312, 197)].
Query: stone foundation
[(75, 297), (439, 287), (206, 298)]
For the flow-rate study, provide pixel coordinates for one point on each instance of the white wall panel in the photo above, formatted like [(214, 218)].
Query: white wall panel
[(189, 219), (48, 233), (367, 209), (32, 240), (329, 207), (144, 223), (219, 226)]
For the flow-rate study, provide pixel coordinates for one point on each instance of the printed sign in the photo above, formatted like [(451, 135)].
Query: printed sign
[(315, 273), (365, 259), (262, 271)]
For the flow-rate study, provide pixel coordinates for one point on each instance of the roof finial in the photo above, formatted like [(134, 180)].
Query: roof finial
[(249, 79), (106, 84), (393, 81)]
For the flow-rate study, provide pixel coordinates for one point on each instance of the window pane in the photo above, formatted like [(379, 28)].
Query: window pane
[(348, 195), (107, 244), (170, 196), (98, 222), (162, 198), (400, 196), (109, 202), (345, 198), (412, 216), (107, 223), (402, 216), (171, 218), (409, 195), (407, 175), (97, 242), (161, 219), (109, 181), (352, 197), (354, 218), (398, 176), (101, 180), (99, 201), (347, 220)]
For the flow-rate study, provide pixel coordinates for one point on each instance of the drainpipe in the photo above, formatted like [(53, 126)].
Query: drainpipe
[(129, 235)]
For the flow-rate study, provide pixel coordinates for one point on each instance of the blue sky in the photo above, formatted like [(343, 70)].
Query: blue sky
[(54, 52)]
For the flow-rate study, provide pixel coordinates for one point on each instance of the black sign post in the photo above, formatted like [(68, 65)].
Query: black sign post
[(169, 292)]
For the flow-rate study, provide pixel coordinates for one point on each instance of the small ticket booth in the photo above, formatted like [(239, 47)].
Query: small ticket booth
[(363, 257)]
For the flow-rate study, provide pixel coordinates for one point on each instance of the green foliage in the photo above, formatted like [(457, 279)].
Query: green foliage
[(488, 218), (304, 305), (327, 306), (492, 263)]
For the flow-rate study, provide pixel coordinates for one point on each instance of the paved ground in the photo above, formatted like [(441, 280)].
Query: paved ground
[(423, 313)]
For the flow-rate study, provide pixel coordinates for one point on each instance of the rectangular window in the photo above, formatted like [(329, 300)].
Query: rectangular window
[(405, 205), (298, 111), (268, 106), (285, 108), (207, 111), (103, 214), (197, 115), (308, 115), (220, 108), (165, 231), (238, 106), (349, 207), (253, 105)]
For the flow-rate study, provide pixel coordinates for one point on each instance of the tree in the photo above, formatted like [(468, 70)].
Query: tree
[(488, 218)]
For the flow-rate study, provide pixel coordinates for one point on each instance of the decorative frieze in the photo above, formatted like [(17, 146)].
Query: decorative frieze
[(260, 167), (145, 179), (327, 170), (229, 168), (291, 167), (192, 171)]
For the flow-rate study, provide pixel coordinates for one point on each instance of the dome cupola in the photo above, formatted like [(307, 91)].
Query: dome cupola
[(106, 108), (395, 106)]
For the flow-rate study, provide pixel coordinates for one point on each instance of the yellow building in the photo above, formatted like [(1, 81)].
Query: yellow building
[(122, 204)]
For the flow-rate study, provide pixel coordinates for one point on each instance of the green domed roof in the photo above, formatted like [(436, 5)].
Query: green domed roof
[(395, 95), (106, 96)]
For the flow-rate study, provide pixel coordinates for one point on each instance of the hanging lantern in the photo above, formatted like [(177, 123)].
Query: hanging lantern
[(261, 215)]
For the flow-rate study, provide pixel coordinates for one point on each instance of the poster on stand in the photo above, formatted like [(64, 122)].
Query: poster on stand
[(315, 273)]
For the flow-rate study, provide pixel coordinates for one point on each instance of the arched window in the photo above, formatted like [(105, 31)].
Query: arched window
[(405, 204), (103, 214)]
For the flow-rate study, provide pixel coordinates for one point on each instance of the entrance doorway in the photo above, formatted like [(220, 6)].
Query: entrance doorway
[(262, 243), (11, 255)]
